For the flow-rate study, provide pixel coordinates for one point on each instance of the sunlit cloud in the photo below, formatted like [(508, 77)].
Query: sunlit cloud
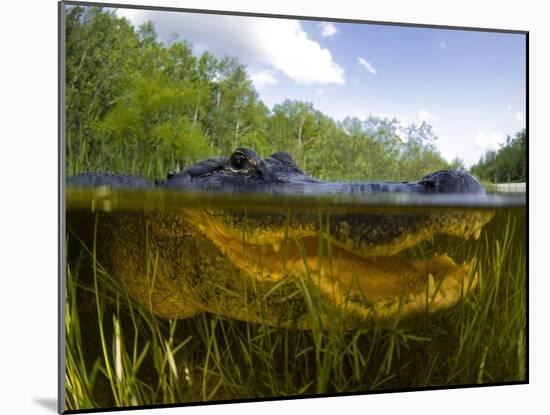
[(424, 115), (263, 78), (488, 141), (130, 14), (284, 45), (280, 44), (367, 65), (359, 114), (328, 29)]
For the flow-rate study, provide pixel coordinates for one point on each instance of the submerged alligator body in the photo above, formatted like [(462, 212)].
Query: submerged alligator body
[(292, 268)]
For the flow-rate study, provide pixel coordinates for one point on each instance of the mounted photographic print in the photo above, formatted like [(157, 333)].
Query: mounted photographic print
[(256, 207)]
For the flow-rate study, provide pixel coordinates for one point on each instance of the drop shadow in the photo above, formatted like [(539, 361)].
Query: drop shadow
[(48, 403)]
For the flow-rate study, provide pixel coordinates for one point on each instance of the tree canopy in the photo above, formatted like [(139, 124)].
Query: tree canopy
[(508, 164), (140, 106)]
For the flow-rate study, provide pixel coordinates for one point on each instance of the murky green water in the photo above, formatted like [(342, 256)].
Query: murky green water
[(243, 296)]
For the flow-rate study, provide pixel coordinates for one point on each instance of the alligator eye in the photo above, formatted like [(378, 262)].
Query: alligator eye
[(239, 161)]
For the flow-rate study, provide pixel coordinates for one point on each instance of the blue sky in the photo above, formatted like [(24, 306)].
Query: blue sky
[(470, 86)]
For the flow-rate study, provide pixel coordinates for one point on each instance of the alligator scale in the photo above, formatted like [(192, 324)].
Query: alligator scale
[(273, 264)]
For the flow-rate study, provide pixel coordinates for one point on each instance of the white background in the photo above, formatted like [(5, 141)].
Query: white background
[(28, 204)]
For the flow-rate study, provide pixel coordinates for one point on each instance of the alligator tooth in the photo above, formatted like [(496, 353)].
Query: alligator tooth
[(102, 191), (431, 285), (477, 232), (442, 292), (276, 246)]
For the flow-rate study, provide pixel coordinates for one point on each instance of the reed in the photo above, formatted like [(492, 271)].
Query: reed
[(119, 354)]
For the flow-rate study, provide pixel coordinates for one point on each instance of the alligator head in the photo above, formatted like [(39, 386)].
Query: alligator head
[(245, 171), (268, 264)]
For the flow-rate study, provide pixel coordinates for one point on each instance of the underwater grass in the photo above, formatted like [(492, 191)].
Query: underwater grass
[(120, 354)]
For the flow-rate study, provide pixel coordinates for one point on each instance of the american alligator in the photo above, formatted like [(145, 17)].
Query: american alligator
[(279, 266)]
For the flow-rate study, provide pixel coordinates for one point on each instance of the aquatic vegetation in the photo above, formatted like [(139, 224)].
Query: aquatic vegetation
[(119, 353)]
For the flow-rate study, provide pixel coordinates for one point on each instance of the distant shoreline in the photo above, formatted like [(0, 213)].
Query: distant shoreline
[(508, 187)]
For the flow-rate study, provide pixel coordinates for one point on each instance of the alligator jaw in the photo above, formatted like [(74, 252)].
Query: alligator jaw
[(365, 234), (370, 287), (445, 284), (390, 287), (378, 286)]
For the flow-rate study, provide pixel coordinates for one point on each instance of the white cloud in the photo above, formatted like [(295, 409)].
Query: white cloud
[(284, 45), (328, 29), (279, 44), (389, 116), (319, 91), (509, 107), (263, 78), (518, 116), (130, 14), (367, 65), (443, 45), (425, 115), (359, 114), (488, 141)]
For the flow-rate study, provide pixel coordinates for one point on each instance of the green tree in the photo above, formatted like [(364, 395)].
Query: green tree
[(508, 164), (298, 128), (100, 51), (152, 123), (138, 105), (237, 111)]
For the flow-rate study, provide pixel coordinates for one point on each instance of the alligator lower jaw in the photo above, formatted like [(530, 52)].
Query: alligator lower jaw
[(371, 287), (444, 284)]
